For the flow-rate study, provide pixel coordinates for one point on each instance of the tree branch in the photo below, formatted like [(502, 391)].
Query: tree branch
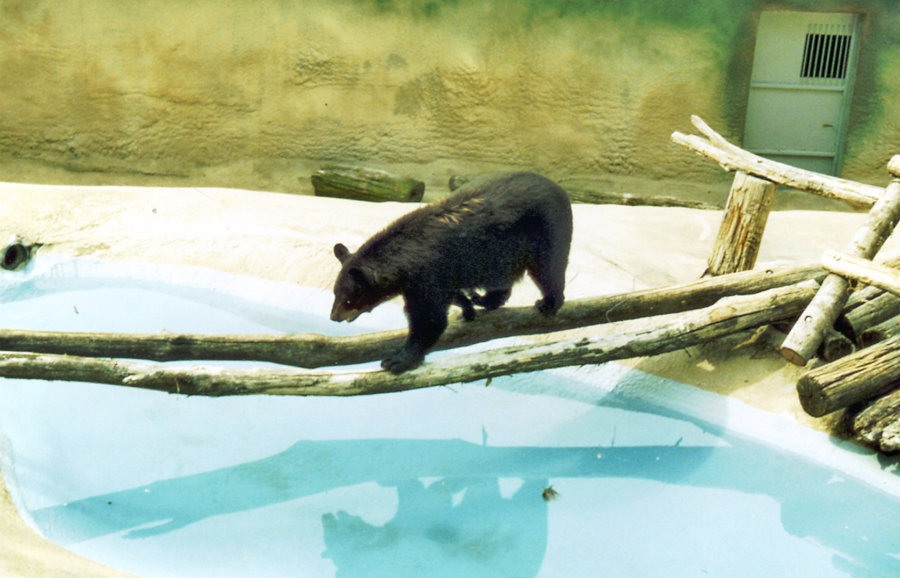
[(733, 158), (730, 315), (312, 350)]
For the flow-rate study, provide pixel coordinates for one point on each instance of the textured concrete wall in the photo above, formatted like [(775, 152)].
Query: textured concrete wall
[(254, 93)]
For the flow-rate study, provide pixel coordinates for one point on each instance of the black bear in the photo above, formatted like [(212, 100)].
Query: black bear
[(483, 237)]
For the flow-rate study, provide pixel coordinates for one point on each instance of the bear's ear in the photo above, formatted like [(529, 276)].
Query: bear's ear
[(341, 252), (363, 277)]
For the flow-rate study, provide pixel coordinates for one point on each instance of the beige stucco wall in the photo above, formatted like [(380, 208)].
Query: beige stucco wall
[(253, 92), (257, 93)]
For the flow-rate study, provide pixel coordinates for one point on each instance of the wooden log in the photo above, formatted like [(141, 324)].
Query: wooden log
[(862, 270), (811, 329), (864, 375), (310, 350), (456, 181), (878, 424), (878, 333), (867, 307), (728, 316), (808, 333), (362, 184), (860, 318), (864, 295), (609, 198), (629, 200), (875, 312), (733, 158), (743, 224), (835, 346)]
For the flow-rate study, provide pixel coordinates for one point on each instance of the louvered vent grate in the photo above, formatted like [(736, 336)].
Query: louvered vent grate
[(826, 52)]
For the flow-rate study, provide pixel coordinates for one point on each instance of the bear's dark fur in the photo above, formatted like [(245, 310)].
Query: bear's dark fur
[(485, 236)]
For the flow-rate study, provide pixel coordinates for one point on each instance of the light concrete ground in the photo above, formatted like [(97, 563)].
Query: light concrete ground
[(289, 238)]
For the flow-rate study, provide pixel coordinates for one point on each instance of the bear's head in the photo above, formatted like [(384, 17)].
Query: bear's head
[(355, 290)]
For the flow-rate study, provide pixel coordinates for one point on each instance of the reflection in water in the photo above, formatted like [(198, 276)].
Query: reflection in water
[(433, 535), (462, 524)]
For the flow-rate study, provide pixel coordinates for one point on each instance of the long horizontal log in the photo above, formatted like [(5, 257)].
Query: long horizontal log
[(733, 158), (610, 198), (311, 350), (633, 200), (728, 316)]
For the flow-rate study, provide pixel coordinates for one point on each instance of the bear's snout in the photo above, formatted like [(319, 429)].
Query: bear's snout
[(340, 313)]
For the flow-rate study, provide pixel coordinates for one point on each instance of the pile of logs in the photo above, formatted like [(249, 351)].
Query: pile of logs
[(854, 335), (857, 333)]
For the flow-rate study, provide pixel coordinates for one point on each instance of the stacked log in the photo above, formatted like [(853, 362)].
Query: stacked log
[(865, 383)]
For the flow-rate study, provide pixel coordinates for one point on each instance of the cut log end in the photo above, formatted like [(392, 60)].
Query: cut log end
[(811, 398), (793, 356)]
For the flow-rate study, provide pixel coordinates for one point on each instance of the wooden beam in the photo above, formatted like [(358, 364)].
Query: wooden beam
[(863, 270), (728, 316), (311, 350), (733, 158)]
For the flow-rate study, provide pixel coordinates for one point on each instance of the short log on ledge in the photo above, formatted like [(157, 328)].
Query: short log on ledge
[(362, 184)]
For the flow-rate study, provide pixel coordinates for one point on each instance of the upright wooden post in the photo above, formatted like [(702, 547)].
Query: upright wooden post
[(741, 231), (809, 331)]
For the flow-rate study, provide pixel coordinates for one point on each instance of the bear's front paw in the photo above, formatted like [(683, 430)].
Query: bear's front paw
[(548, 305), (401, 361)]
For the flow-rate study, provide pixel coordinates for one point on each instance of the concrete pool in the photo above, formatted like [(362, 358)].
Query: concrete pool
[(654, 477)]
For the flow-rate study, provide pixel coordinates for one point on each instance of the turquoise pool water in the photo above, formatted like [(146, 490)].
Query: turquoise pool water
[(654, 478)]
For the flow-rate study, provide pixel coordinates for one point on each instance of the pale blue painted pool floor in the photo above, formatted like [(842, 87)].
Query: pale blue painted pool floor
[(654, 478)]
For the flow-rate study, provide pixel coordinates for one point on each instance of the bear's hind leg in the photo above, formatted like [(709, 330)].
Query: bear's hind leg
[(549, 274)]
